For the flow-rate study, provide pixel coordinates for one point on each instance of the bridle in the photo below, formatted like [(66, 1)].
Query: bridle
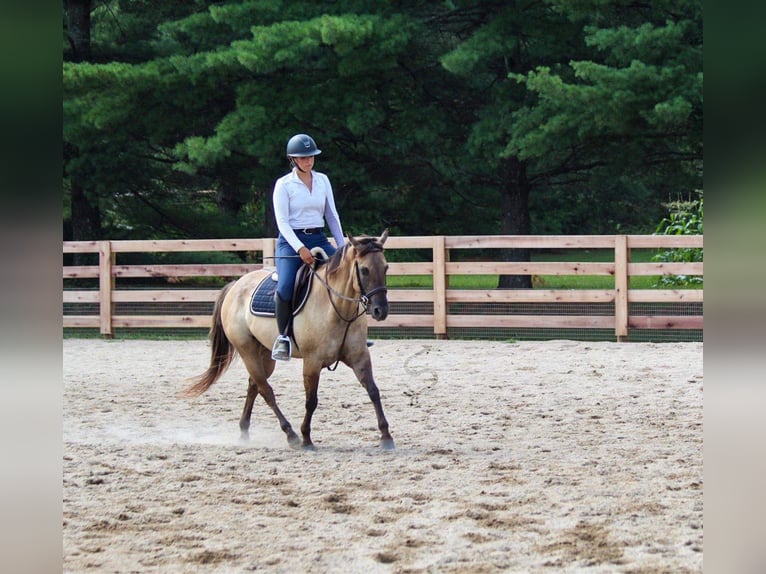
[(363, 299)]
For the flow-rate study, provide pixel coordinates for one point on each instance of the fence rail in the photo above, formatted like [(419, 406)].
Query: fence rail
[(439, 299)]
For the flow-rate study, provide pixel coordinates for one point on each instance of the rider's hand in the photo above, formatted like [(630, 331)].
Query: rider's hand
[(306, 255)]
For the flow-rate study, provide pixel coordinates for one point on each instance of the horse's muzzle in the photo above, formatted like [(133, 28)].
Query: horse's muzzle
[(379, 308), (377, 303)]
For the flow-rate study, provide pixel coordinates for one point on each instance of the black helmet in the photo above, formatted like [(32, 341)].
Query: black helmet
[(301, 145)]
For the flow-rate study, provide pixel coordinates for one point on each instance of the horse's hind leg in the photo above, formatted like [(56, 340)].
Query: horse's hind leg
[(268, 395), (311, 385), (244, 421), (260, 366)]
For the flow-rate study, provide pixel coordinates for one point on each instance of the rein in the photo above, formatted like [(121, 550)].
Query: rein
[(363, 299)]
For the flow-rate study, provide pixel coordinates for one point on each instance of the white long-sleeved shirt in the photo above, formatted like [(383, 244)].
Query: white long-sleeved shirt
[(295, 207)]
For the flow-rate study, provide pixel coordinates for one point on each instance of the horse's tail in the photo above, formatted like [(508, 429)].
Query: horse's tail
[(221, 351)]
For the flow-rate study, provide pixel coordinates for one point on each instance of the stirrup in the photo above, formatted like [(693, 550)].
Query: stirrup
[(281, 350)]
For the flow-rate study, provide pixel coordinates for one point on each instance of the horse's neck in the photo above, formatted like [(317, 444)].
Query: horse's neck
[(342, 282)]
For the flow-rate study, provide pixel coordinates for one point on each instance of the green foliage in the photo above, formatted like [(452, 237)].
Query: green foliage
[(463, 117), (626, 110), (686, 217)]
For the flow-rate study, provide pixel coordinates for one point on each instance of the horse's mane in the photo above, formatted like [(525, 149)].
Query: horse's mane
[(365, 245)]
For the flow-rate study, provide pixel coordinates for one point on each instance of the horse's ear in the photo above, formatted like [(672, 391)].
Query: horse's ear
[(383, 237), (353, 241)]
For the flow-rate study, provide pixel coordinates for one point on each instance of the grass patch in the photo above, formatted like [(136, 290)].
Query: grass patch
[(545, 281), (156, 334)]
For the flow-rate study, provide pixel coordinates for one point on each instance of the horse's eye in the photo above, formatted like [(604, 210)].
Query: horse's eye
[(364, 271)]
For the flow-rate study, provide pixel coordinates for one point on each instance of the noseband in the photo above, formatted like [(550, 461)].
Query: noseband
[(364, 299)]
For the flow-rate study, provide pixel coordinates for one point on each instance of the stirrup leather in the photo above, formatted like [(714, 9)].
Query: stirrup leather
[(281, 350)]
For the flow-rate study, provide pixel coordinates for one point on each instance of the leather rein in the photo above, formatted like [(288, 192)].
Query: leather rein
[(363, 300)]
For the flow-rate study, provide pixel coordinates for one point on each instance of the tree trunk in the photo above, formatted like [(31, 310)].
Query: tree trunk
[(269, 220), (515, 218), (86, 220), (78, 29), (231, 196), (86, 215)]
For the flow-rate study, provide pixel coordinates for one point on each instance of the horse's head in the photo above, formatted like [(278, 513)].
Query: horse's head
[(370, 267)]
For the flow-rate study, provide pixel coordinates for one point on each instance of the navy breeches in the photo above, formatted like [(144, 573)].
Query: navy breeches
[(288, 261)]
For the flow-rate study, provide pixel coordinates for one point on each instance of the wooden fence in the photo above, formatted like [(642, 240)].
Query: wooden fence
[(108, 271)]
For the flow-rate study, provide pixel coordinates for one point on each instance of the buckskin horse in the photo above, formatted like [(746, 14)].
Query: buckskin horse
[(330, 328)]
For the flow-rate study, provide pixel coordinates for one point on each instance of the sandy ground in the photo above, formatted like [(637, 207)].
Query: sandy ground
[(555, 456)]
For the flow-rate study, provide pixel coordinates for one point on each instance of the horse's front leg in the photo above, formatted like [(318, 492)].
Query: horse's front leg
[(311, 385), (363, 372)]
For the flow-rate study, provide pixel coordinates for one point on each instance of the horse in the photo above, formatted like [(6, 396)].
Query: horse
[(330, 328)]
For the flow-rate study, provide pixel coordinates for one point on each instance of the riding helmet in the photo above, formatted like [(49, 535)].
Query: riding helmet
[(302, 145)]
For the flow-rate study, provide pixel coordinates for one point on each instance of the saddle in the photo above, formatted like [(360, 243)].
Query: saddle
[(262, 299)]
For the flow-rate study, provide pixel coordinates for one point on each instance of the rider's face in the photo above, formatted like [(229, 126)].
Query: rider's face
[(305, 163)]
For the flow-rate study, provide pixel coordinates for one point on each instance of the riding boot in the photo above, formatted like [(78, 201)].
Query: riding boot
[(282, 310)]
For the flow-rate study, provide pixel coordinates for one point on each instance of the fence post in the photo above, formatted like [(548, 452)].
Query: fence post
[(106, 259), (269, 249), (440, 287), (621, 285)]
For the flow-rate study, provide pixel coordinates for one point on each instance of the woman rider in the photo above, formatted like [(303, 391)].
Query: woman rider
[(303, 202)]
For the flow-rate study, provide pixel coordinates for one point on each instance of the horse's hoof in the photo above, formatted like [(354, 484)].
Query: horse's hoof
[(294, 441), (387, 444), (309, 447), (244, 436)]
